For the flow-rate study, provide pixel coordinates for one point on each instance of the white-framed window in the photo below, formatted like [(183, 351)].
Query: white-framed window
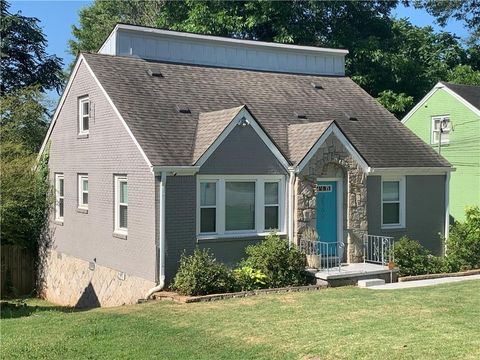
[(272, 205), (208, 206), (240, 205), (393, 202), (83, 191), (121, 204), (59, 197), (441, 127), (83, 115)]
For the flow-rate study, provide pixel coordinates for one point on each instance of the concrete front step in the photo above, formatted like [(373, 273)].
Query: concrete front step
[(370, 282)]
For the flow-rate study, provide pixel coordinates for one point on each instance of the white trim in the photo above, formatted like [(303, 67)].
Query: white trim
[(176, 170), (60, 105), (397, 171), (290, 196), (259, 181), (81, 179), (401, 201), (162, 193), (119, 115), (225, 40), (339, 182), (447, 209), (58, 177), (333, 129), (81, 100), (119, 179), (236, 122), (62, 100), (440, 118), (438, 86)]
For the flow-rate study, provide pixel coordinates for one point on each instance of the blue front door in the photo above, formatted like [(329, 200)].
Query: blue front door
[(327, 212)]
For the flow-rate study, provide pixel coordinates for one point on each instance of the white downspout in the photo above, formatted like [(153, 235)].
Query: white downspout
[(161, 265), (291, 200), (447, 209)]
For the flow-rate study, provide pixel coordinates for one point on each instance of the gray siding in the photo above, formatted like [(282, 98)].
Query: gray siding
[(180, 228), (242, 152), (180, 223), (107, 151), (425, 210)]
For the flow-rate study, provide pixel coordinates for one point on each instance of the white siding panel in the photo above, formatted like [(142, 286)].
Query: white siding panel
[(218, 53)]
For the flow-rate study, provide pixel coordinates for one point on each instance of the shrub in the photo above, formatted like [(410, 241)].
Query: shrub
[(413, 259), (463, 244), (201, 274), (248, 278), (283, 265)]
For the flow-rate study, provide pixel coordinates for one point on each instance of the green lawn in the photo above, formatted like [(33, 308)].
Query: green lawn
[(441, 322)]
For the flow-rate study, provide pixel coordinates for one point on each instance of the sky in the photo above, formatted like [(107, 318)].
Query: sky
[(57, 17)]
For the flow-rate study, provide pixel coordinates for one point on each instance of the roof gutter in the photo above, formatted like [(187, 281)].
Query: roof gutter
[(175, 170), (411, 170)]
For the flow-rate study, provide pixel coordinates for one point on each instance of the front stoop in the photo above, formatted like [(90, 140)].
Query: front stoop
[(351, 274)]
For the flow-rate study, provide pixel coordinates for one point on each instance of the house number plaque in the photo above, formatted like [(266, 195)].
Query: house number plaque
[(323, 188)]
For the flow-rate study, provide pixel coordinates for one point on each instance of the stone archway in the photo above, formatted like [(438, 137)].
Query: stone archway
[(333, 160)]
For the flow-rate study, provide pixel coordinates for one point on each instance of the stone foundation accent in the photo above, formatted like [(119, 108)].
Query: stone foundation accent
[(333, 160), (69, 281)]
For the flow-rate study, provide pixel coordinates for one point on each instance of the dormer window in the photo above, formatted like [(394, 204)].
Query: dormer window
[(83, 115)]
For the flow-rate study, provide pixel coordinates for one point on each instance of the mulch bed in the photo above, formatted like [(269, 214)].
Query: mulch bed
[(441, 275), (166, 295)]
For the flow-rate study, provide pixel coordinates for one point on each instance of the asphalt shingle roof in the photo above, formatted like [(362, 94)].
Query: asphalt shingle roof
[(149, 106), (470, 93)]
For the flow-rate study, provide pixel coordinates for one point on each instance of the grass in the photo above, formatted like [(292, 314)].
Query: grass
[(441, 322)]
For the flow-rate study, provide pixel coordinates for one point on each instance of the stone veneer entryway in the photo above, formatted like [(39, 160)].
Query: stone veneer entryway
[(333, 160)]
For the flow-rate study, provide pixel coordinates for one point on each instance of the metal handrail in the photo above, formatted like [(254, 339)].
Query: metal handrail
[(378, 249), (328, 254)]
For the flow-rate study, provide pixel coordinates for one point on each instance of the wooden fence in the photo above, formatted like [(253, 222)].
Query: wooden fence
[(17, 271)]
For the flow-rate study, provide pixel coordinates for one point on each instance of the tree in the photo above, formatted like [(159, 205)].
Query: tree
[(392, 60), (98, 20), (24, 61), (467, 11), (464, 74), (22, 118)]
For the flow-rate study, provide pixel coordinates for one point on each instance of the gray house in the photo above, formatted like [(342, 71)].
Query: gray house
[(164, 141)]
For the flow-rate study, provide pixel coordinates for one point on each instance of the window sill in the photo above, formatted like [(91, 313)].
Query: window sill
[(82, 136), (58, 222), (236, 236), (82, 210), (119, 235), (393, 227)]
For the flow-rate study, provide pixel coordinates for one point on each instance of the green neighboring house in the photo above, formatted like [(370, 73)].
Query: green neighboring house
[(448, 118)]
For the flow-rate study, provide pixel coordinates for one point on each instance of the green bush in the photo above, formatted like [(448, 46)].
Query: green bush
[(283, 265), (463, 244), (201, 274), (413, 259), (248, 278)]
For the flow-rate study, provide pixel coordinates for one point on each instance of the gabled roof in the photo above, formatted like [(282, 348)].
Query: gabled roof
[(149, 106), (301, 138), (470, 93), (210, 126)]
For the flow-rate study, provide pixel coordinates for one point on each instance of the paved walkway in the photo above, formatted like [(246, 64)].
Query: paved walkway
[(419, 283)]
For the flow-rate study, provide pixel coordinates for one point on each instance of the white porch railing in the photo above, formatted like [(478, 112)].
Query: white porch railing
[(378, 249), (328, 256), (322, 255)]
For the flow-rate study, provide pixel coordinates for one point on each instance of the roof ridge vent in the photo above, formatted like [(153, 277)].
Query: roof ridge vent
[(183, 109), (154, 73), (317, 86)]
